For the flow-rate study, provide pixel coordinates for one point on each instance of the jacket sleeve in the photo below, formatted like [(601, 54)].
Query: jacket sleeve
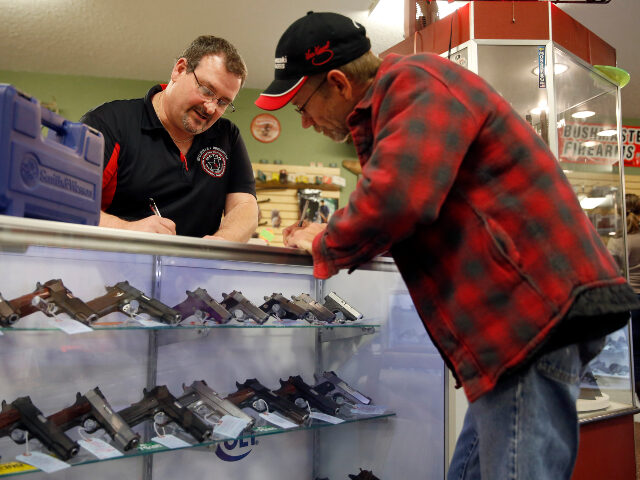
[(419, 135)]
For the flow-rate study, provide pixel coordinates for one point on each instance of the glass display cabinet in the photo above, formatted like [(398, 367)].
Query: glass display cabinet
[(385, 355)]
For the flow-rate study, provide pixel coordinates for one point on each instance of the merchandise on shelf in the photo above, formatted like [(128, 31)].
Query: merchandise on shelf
[(57, 177)]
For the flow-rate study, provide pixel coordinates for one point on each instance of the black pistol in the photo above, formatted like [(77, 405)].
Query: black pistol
[(251, 392), (300, 393), (21, 416), (283, 308), (159, 400)]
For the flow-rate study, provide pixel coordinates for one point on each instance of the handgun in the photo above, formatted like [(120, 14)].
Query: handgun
[(91, 411), (8, 315), (127, 299), (242, 308), (283, 308), (299, 392), (21, 416), (317, 311), (52, 298), (342, 310), (333, 386), (364, 475), (206, 402), (159, 401), (251, 392), (200, 303)]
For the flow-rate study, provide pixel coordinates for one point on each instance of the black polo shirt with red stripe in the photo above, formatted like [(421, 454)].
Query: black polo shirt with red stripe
[(141, 161)]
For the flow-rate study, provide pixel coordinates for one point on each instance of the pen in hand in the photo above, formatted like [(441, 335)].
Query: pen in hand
[(154, 207)]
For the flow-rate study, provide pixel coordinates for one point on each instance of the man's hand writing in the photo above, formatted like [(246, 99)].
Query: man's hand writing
[(153, 224)]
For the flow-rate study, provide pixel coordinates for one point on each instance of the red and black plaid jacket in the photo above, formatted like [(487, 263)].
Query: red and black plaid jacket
[(482, 223)]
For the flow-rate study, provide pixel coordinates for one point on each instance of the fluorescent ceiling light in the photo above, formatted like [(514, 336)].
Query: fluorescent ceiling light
[(590, 143), (539, 109), (559, 68), (607, 133), (583, 114), (589, 203)]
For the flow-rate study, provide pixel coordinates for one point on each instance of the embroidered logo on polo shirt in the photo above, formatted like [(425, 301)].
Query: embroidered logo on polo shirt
[(213, 161)]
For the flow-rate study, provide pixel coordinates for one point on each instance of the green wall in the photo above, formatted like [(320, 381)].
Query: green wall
[(75, 95)]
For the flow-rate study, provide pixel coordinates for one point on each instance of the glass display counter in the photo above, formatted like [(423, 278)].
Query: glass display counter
[(385, 355)]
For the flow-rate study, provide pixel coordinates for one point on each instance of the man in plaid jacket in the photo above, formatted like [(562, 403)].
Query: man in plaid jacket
[(510, 278)]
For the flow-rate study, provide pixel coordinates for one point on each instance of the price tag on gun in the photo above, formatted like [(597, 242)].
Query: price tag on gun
[(44, 462), (99, 448), (230, 427), (67, 325)]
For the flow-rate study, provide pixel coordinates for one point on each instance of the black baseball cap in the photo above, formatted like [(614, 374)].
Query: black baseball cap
[(315, 43)]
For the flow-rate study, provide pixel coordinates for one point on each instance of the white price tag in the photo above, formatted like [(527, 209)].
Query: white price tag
[(44, 462), (230, 426), (170, 441), (100, 448), (277, 420), (69, 325), (368, 409), (326, 418)]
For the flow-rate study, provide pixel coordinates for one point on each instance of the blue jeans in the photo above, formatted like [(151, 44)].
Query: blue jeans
[(526, 428)]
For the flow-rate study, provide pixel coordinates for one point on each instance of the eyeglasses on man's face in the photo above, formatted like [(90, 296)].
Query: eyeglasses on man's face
[(209, 96), (300, 109)]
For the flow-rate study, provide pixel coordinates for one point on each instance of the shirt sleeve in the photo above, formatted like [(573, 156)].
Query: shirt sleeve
[(420, 133), (94, 119)]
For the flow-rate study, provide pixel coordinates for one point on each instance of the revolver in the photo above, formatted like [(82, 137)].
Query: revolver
[(200, 303), (317, 312), (282, 307), (22, 416), (92, 411), (242, 308), (252, 391), (333, 386), (299, 392), (342, 310), (127, 299), (206, 402), (159, 401)]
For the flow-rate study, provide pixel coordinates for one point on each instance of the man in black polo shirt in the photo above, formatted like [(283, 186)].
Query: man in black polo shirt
[(174, 147)]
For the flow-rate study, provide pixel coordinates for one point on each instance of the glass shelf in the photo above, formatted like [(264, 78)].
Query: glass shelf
[(14, 468), (115, 326)]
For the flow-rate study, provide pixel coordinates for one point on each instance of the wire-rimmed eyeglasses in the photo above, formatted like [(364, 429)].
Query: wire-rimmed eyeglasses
[(209, 96)]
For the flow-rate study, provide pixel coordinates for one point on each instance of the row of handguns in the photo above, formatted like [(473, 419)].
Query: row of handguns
[(53, 297), (196, 411)]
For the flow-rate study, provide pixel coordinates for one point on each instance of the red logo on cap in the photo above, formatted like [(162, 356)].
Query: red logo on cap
[(320, 55)]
